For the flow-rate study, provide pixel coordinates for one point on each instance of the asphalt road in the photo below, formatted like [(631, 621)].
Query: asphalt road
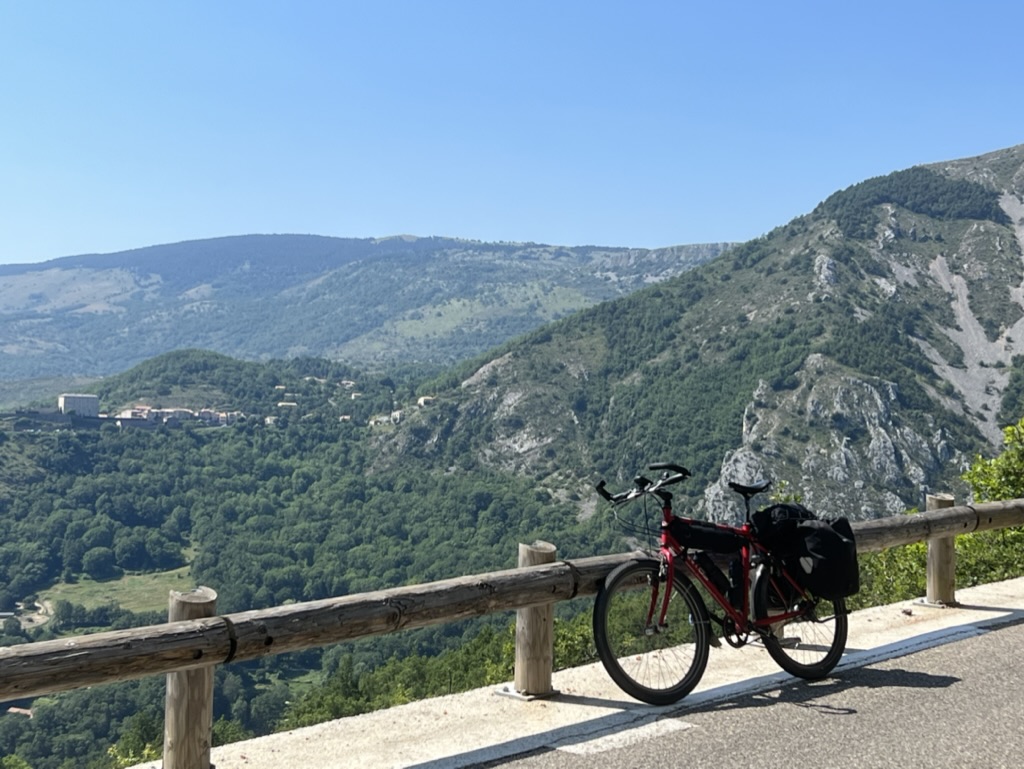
[(957, 705)]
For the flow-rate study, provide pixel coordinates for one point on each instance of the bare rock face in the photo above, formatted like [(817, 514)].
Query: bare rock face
[(833, 439)]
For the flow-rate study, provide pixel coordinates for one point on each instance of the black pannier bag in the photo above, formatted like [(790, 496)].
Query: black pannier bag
[(826, 564), (776, 527), (820, 555), (701, 535)]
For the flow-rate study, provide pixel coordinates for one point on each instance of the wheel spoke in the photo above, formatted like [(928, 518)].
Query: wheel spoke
[(810, 645), (658, 665)]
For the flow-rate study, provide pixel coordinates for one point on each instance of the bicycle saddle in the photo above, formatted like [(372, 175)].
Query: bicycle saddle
[(748, 491)]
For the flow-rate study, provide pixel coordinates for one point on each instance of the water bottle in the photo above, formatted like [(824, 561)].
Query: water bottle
[(713, 573), (736, 578)]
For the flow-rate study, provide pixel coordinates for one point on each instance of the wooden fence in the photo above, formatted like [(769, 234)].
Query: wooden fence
[(190, 644)]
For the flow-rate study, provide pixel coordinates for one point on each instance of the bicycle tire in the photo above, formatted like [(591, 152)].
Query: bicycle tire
[(657, 667), (809, 646)]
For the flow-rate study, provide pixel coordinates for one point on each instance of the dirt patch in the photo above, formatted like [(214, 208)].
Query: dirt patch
[(42, 613)]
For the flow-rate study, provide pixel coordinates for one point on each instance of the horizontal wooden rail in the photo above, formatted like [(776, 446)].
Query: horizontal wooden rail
[(69, 663), (883, 533)]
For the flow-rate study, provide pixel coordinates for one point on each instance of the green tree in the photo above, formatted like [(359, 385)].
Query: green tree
[(98, 563), (140, 741), (1001, 477), (226, 731), (990, 556)]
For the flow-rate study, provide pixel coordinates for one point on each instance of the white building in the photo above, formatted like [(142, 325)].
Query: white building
[(82, 405)]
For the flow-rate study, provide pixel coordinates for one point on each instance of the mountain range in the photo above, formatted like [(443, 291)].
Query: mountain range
[(391, 302), (861, 355)]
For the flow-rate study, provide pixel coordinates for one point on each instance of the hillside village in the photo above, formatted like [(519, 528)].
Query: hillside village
[(82, 410)]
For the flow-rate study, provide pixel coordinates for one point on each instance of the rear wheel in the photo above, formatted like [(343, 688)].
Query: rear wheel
[(657, 665), (809, 645)]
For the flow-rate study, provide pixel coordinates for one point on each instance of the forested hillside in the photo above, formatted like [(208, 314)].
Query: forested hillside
[(286, 504)]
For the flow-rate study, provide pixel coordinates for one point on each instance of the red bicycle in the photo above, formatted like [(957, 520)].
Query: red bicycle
[(652, 626)]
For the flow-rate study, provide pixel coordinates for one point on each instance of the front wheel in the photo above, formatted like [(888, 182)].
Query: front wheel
[(809, 645), (656, 665)]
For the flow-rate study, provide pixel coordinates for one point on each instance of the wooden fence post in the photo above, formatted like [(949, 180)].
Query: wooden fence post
[(941, 570), (188, 714), (535, 640)]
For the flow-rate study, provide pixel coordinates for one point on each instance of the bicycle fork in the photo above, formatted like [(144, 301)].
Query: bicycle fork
[(664, 575)]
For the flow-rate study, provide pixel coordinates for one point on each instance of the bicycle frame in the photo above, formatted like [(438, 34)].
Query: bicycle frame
[(751, 551)]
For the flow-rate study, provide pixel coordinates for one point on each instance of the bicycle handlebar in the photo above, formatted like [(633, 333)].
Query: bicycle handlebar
[(678, 469), (672, 474)]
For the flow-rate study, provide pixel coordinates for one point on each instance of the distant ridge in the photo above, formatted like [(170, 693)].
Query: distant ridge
[(375, 302)]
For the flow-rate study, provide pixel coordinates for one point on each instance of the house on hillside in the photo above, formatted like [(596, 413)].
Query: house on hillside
[(83, 405), (385, 419)]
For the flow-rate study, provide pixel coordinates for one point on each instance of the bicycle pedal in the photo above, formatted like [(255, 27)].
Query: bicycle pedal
[(714, 640), (655, 629)]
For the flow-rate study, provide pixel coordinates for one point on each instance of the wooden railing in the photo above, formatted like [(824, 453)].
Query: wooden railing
[(195, 643)]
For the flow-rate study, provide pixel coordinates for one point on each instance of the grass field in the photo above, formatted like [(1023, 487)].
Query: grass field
[(135, 592)]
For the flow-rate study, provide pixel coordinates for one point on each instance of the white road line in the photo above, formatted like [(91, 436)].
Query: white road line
[(623, 738)]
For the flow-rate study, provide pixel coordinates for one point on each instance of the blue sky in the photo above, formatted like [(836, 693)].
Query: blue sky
[(645, 124)]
